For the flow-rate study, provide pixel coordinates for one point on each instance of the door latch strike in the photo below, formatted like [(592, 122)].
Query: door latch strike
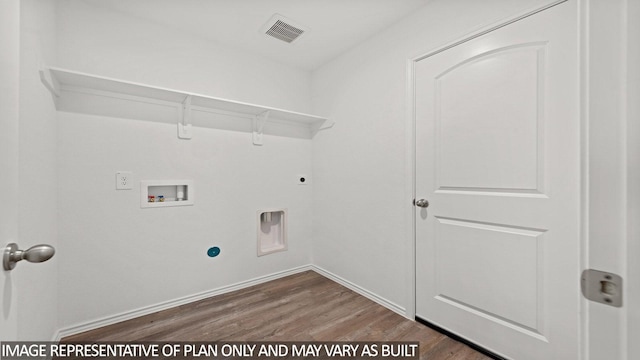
[(602, 287)]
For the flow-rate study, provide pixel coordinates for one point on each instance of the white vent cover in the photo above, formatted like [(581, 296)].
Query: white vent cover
[(283, 29)]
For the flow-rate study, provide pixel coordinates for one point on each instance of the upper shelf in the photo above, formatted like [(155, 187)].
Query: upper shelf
[(63, 84)]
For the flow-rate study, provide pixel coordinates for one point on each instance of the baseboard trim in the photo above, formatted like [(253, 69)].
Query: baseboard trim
[(362, 291), (458, 338), (128, 315)]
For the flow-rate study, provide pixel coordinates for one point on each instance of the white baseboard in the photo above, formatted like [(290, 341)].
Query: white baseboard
[(362, 291), (109, 320), (127, 315)]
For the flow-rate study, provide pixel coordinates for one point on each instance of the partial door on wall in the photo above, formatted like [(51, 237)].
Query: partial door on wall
[(9, 94), (498, 159)]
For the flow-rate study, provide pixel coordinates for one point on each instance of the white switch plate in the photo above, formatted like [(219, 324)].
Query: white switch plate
[(124, 181)]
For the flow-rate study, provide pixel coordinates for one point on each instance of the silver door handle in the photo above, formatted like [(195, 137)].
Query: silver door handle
[(37, 253), (423, 203)]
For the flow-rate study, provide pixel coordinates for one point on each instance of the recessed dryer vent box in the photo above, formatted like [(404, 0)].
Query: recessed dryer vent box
[(272, 231), (162, 193)]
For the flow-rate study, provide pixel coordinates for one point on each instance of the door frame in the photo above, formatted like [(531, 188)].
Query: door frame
[(633, 176), (9, 123), (595, 321), (611, 160)]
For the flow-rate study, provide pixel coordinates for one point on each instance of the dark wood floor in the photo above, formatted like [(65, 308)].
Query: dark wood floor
[(301, 307)]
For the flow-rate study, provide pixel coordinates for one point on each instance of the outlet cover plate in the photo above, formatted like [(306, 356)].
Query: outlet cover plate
[(124, 180)]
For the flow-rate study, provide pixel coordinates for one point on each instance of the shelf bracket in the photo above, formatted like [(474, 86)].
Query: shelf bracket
[(50, 82), (258, 126), (327, 124), (184, 123)]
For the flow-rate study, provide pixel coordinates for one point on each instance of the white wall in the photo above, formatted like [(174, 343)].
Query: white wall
[(362, 193), (111, 44), (37, 295), (116, 257)]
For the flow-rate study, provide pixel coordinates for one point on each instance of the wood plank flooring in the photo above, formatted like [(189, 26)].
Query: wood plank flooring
[(300, 307)]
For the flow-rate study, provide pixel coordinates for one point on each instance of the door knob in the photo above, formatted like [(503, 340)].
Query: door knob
[(37, 253), (423, 203)]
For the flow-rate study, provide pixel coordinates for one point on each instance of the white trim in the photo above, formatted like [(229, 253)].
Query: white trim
[(410, 126), (127, 315), (605, 332), (632, 111), (624, 118), (487, 29), (583, 79), (360, 290)]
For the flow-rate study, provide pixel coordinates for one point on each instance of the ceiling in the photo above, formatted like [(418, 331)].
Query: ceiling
[(333, 26)]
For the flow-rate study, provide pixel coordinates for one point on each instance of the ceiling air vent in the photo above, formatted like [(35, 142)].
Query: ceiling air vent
[(283, 29)]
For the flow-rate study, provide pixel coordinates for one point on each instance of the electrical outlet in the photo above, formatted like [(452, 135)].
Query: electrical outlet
[(124, 181)]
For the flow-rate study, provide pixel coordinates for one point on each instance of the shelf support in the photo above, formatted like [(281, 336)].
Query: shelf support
[(50, 82), (258, 126), (184, 123), (327, 124)]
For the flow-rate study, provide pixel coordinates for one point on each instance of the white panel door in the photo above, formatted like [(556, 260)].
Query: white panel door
[(9, 86), (498, 159)]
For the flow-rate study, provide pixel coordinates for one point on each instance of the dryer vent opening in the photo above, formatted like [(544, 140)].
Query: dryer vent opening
[(283, 29)]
